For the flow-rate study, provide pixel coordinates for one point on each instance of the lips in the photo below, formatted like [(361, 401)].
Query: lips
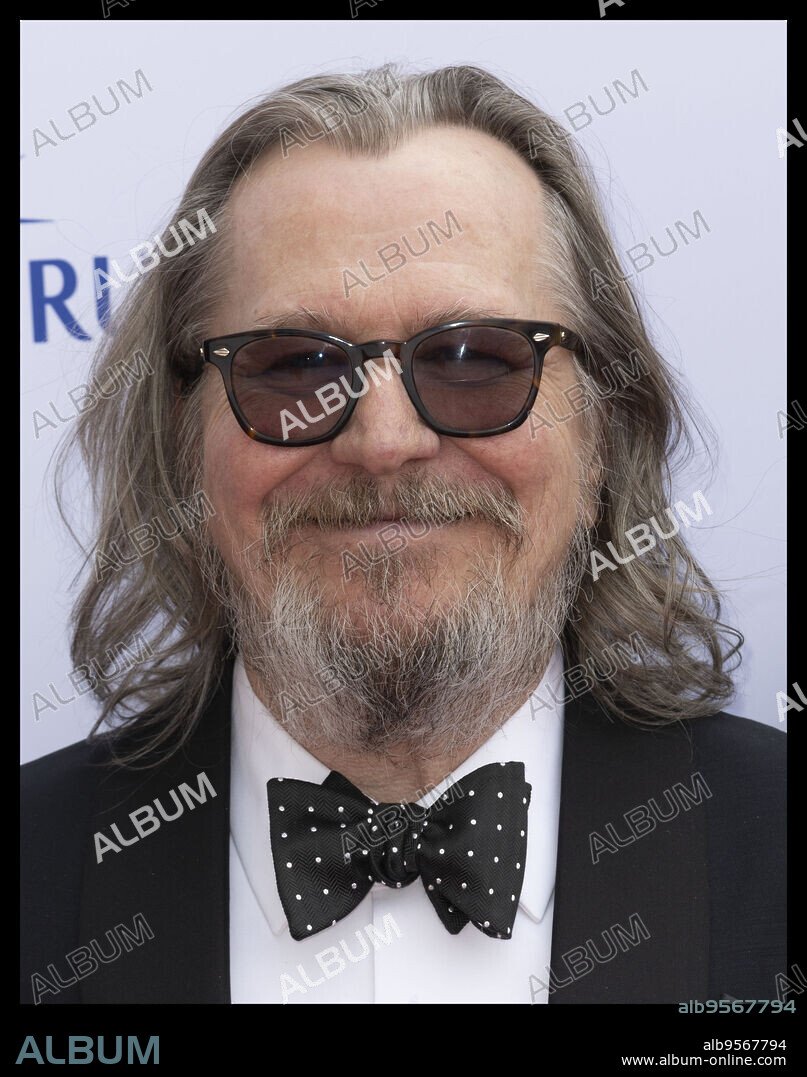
[(380, 520)]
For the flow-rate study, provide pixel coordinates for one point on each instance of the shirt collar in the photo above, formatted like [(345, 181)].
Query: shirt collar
[(262, 749)]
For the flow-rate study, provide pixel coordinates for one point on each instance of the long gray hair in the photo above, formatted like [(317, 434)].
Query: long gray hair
[(142, 451)]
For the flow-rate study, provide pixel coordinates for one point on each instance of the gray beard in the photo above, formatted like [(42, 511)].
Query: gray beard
[(435, 680)]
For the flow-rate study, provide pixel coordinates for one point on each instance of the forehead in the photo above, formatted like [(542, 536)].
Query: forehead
[(308, 226)]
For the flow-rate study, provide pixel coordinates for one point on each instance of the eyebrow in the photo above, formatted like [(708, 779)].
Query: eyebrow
[(323, 321)]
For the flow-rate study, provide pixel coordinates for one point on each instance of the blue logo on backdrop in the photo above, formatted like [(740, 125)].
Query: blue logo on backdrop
[(61, 290), (57, 298)]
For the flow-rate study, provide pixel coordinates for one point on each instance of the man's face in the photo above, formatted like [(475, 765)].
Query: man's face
[(298, 223)]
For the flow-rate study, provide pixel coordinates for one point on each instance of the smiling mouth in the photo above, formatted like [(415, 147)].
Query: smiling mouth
[(378, 522)]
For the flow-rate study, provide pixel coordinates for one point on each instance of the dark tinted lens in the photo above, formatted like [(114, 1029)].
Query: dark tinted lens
[(290, 387), (474, 379)]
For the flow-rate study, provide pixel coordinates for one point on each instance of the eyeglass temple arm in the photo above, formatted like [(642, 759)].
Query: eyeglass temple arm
[(567, 339)]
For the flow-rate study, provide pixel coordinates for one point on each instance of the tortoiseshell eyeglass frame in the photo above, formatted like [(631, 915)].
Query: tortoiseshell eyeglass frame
[(221, 351)]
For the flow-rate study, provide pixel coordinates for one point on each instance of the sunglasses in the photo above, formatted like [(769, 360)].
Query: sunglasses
[(471, 379)]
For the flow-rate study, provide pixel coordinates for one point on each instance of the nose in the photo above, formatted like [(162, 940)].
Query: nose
[(385, 431)]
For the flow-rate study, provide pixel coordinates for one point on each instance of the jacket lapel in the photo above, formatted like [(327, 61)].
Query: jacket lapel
[(654, 884), (174, 879)]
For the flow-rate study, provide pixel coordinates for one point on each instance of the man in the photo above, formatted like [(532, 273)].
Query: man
[(399, 472)]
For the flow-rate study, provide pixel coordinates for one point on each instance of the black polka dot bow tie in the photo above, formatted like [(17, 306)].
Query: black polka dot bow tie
[(330, 843)]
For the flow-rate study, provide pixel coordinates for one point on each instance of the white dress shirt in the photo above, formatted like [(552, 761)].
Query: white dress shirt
[(393, 946)]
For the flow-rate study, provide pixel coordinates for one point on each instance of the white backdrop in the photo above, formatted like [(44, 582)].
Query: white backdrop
[(701, 137)]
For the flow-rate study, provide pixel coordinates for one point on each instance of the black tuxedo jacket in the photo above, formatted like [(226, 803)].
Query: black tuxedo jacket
[(707, 886)]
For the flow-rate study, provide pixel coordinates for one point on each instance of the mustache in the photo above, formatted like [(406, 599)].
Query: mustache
[(362, 500)]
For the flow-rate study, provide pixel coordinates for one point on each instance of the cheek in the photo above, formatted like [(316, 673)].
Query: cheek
[(552, 441), (238, 475), (540, 464), (224, 455)]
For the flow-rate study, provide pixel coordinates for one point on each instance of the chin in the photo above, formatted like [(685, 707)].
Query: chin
[(383, 600)]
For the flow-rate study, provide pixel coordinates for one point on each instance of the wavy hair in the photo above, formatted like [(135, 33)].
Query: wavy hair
[(140, 446)]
